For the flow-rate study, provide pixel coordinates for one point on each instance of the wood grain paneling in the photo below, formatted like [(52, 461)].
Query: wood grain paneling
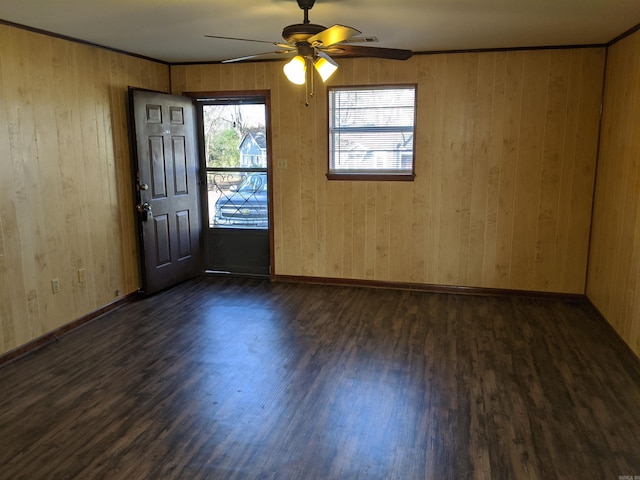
[(614, 280), (65, 180), (506, 146), (505, 165)]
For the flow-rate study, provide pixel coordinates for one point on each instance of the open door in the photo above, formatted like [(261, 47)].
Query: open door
[(166, 179)]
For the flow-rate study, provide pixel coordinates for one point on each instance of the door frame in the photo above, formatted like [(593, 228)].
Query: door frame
[(230, 95)]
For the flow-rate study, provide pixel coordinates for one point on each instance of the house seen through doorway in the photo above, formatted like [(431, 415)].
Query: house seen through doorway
[(235, 136)]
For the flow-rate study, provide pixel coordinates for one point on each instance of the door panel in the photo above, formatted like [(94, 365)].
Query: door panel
[(242, 251), (166, 176)]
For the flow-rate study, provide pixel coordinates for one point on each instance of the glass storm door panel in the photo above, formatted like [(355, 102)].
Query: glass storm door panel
[(235, 149)]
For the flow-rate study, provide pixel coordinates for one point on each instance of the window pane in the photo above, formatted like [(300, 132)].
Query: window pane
[(235, 136), (238, 199), (371, 130), (370, 150)]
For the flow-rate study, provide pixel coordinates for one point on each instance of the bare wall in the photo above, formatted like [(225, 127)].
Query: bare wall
[(65, 180), (505, 166), (614, 265)]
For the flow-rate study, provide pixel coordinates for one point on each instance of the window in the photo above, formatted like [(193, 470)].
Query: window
[(371, 132)]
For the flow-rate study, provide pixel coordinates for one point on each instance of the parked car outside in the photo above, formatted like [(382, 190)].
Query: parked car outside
[(245, 206)]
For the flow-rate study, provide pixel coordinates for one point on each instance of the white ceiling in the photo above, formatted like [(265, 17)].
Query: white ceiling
[(173, 30)]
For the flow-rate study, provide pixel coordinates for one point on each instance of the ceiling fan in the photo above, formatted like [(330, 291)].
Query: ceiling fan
[(312, 44)]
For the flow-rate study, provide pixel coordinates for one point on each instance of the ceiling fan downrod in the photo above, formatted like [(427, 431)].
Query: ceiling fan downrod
[(306, 5)]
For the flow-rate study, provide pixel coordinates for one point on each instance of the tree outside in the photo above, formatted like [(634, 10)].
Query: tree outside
[(224, 127)]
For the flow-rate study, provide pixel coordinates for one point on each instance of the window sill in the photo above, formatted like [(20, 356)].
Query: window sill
[(372, 177)]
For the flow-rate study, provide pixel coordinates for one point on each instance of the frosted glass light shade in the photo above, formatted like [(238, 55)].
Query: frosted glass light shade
[(295, 70), (325, 66)]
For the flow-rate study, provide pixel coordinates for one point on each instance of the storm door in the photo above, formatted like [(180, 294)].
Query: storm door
[(235, 150)]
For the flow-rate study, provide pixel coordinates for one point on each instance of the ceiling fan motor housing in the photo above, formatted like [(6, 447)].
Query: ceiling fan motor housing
[(299, 33)]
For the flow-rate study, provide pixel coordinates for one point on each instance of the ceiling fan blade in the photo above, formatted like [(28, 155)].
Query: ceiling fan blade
[(277, 44), (249, 57), (358, 51), (332, 35)]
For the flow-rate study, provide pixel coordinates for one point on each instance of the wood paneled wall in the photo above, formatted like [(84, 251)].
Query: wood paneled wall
[(506, 148), (505, 166), (614, 265), (65, 180)]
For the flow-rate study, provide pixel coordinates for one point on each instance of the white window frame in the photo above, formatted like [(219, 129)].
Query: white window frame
[(382, 172)]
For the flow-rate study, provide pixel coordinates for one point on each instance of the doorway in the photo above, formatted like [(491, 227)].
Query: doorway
[(234, 135)]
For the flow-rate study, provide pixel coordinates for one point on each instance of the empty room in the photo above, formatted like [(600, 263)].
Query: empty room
[(287, 239)]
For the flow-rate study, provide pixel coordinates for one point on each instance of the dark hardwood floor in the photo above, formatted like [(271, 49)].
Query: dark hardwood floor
[(224, 378)]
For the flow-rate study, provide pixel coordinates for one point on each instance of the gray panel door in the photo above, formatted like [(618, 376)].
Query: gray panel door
[(166, 170)]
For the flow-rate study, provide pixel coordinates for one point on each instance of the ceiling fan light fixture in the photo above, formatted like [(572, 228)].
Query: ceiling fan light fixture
[(325, 65), (295, 70)]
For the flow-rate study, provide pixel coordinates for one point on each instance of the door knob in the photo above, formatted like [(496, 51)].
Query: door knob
[(145, 211)]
